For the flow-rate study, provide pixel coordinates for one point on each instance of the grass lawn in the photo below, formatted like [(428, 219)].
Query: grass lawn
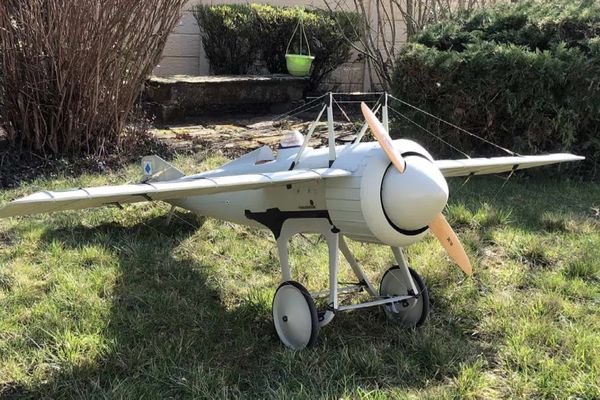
[(112, 303)]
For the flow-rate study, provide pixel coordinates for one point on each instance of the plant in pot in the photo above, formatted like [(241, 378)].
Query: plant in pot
[(299, 64)]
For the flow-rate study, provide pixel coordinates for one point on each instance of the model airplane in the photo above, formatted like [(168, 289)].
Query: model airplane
[(386, 192)]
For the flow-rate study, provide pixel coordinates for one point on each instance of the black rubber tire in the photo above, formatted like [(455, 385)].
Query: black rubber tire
[(314, 316), (422, 289)]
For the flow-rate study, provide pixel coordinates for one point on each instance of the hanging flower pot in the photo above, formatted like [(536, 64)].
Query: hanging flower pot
[(299, 64)]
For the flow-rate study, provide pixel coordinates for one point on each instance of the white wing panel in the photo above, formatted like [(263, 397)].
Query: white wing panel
[(495, 165), (76, 199)]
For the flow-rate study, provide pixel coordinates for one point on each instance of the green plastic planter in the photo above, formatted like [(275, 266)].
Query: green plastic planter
[(299, 64)]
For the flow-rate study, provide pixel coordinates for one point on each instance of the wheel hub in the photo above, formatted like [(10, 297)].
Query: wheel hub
[(412, 312)]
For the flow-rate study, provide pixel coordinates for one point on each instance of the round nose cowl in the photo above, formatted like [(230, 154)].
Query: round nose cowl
[(412, 199)]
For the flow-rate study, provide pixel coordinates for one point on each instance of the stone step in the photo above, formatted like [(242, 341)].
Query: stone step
[(178, 97)]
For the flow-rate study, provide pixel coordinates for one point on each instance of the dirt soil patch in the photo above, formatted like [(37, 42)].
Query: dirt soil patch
[(236, 135)]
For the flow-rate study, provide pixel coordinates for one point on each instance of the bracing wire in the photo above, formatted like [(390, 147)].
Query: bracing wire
[(355, 131), (342, 110), (468, 178), (355, 101), (300, 109), (512, 153), (185, 222), (313, 107), (504, 184), (428, 131)]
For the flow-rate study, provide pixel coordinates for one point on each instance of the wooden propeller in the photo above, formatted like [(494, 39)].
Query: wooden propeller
[(440, 227), (383, 137), (442, 230)]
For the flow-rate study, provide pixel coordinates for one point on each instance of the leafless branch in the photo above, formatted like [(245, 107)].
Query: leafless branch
[(72, 69), (387, 22)]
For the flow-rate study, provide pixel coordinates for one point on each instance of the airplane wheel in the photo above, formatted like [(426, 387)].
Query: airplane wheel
[(295, 316), (409, 313)]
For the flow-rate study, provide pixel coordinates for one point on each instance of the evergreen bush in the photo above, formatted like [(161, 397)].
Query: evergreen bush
[(524, 76)]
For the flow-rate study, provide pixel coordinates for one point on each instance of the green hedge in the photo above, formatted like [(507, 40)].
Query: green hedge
[(238, 36), (537, 25), (525, 76)]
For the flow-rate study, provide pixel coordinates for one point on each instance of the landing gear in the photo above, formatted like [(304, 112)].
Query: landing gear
[(295, 316), (409, 313)]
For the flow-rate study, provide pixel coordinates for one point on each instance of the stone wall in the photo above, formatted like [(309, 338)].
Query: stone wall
[(178, 97)]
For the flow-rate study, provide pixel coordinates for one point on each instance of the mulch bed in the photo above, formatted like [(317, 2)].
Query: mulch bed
[(17, 167)]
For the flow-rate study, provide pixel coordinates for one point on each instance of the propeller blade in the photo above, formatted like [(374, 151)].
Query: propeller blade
[(383, 137), (442, 230)]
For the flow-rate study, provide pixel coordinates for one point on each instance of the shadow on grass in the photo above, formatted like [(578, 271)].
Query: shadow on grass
[(170, 334), (524, 201)]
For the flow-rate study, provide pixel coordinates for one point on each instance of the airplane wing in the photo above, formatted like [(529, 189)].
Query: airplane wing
[(494, 165), (77, 199)]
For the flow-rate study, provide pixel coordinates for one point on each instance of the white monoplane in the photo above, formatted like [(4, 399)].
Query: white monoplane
[(385, 192)]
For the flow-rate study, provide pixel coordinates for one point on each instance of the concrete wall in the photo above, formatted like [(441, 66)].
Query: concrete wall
[(184, 54)]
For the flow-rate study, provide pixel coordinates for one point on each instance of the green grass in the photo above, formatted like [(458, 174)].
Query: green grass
[(112, 303)]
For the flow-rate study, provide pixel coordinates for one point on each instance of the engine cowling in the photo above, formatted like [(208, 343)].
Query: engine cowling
[(379, 204)]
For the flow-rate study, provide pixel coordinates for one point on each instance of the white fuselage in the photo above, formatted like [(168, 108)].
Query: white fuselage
[(374, 204)]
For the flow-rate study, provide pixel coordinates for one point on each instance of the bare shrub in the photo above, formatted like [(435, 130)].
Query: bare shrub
[(72, 69), (387, 24)]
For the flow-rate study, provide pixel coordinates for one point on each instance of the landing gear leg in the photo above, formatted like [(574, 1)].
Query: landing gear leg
[(294, 314), (358, 271)]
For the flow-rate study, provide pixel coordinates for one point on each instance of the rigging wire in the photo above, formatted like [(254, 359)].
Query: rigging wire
[(468, 178), (185, 222), (504, 184), (357, 93), (355, 131), (316, 106), (356, 101), (299, 109), (342, 110), (455, 126), (428, 131)]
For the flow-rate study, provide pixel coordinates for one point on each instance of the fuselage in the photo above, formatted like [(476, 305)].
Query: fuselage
[(301, 197), (374, 204)]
